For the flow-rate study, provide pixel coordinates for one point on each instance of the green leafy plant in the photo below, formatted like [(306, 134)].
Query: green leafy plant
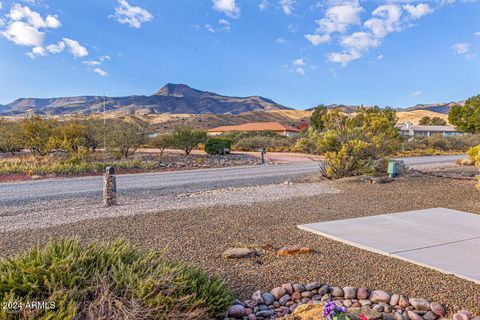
[(187, 138), (108, 281), (467, 117), (217, 146)]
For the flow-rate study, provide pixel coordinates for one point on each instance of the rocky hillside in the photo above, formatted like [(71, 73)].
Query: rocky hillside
[(172, 98), (435, 107)]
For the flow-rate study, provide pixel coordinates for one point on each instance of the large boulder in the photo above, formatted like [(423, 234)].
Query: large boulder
[(378, 296)]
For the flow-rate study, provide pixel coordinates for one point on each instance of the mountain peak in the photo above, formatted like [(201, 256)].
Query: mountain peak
[(178, 90)]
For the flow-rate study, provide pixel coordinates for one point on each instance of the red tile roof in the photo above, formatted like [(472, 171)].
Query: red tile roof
[(256, 126)]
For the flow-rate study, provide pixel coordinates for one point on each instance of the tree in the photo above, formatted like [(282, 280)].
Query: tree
[(467, 117), (161, 142), (435, 121), (10, 137), (187, 139), (70, 137), (316, 120), (126, 137), (38, 135), (94, 134)]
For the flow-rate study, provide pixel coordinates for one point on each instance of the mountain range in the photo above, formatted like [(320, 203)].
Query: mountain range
[(170, 99)]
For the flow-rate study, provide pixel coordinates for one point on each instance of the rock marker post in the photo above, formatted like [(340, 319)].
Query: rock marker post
[(109, 187)]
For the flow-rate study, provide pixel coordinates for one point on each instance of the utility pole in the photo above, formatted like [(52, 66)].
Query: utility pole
[(104, 127)]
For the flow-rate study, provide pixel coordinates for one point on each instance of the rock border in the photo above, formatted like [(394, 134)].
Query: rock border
[(282, 301)]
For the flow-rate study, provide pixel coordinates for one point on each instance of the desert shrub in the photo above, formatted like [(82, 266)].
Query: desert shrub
[(353, 144), (108, 281), (440, 144), (473, 153), (307, 141), (216, 146), (270, 140), (69, 167)]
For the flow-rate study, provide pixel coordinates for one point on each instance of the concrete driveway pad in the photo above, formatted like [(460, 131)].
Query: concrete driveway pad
[(442, 239)]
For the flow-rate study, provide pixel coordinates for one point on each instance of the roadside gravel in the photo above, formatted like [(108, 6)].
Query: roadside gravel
[(199, 235), (44, 213)]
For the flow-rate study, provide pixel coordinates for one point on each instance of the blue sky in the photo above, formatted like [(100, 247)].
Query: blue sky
[(299, 53)]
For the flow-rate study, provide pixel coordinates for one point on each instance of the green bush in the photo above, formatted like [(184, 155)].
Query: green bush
[(271, 143), (473, 153), (217, 145), (108, 281)]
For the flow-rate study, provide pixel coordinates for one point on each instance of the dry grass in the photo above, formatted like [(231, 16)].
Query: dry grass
[(416, 115)]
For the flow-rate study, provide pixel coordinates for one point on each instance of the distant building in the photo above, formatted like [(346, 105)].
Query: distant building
[(410, 130), (256, 127)]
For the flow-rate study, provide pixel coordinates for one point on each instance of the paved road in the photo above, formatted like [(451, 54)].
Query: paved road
[(172, 182), (161, 183)]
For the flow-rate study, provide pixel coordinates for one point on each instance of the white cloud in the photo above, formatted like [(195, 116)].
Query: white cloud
[(299, 62), (416, 93), (228, 7), (380, 57), (56, 48), (209, 28), (105, 57), (131, 15), (339, 18), (264, 4), (91, 63), (24, 13), (386, 19), (23, 34), (225, 24), (477, 33), (24, 26), (37, 52), (280, 40), (360, 41), (461, 48), (418, 11), (1, 6), (344, 58), (2, 22), (317, 39), (100, 71), (300, 71), (75, 48), (287, 6)]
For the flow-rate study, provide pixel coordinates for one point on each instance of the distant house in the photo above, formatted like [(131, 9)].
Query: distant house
[(410, 130), (256, 127)]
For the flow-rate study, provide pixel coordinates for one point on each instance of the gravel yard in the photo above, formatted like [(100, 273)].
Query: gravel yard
[(199, 235)]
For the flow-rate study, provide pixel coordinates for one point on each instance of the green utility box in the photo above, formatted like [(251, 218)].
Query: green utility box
[(392, 169)]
